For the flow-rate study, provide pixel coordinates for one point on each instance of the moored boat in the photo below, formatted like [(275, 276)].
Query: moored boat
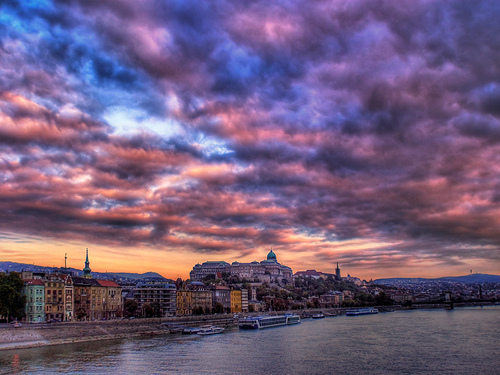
[(259, 322), (190, 330), (292, 319), (212, 330), (365, 311), (173, 328), (318, 316)]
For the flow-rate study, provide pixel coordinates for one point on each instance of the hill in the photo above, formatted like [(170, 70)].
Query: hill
[(476, 278), (119, 276), (138, 276)]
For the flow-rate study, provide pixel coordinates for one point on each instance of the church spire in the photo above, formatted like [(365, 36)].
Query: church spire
[(87, 270), (337, 273)]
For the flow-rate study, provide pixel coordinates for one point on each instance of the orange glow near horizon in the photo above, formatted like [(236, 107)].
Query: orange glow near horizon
[(175, 264)]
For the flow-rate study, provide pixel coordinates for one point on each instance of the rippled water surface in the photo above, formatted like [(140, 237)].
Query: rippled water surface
[(462, 341)]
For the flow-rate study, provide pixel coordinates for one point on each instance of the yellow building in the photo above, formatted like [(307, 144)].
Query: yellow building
[(235, 301), (54, 297), (184, 302)]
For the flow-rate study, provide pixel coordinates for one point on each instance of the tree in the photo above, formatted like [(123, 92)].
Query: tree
[(218, 308), (383, 299), (80, 313), (12, 300), (130, 307), (147, 310), (156, 309), (198, 310), (208, 279), (262, 291)]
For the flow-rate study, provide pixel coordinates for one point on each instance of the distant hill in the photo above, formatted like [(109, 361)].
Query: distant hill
[(476, 278), (18, 267), (138, 276)]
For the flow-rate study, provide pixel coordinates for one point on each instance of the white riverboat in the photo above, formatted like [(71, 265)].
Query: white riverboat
[(212, 330), (259, 322), (365, 311), (318, 316)]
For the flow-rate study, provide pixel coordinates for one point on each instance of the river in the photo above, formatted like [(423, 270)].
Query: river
[(461, 341)]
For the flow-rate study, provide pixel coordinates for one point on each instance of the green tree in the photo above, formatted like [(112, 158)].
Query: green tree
[(12, 300)]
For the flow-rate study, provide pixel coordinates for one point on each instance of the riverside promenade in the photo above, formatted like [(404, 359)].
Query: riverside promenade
[(43, 334)]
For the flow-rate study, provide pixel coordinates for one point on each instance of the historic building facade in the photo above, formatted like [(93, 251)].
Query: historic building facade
[(201, 298), (268, 270), (111, 299), (34, 290), (54, 297), (95, 299), (221, 294), (184, 302)]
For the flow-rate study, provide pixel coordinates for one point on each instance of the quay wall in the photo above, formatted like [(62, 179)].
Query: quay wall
[(33, 335)]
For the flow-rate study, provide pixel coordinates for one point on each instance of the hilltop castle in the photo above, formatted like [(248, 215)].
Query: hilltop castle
[(268, 270)]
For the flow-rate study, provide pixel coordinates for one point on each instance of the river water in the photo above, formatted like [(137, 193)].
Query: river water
[(461, 341)]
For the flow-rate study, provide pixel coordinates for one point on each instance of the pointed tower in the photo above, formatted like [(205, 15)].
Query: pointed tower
[(87, 270), (337, 272)]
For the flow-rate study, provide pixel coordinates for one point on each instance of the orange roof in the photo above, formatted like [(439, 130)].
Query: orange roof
[(33, 282), (108, 283)]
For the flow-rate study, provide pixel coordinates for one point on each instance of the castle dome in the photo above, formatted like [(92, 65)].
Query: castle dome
[(271, 255)]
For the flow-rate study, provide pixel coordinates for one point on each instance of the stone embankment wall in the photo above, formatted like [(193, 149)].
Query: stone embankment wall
[(33, 335)]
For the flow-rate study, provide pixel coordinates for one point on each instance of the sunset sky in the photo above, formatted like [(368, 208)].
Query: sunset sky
[(161, 134)]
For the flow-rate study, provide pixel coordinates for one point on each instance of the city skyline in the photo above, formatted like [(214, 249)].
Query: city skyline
[(161, 135)]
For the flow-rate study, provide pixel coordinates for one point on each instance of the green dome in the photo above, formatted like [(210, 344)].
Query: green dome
[(271, 255)]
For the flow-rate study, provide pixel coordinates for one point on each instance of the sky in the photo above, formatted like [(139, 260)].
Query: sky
[(161, 134)]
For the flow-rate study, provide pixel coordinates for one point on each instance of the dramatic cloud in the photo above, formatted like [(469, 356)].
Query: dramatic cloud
[(361, 132)]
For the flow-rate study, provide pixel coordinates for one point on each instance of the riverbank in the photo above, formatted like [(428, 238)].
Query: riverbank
[(35, 335)]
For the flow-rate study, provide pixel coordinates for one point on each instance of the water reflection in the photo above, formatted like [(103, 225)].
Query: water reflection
[(73, 358), (462, 341)]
